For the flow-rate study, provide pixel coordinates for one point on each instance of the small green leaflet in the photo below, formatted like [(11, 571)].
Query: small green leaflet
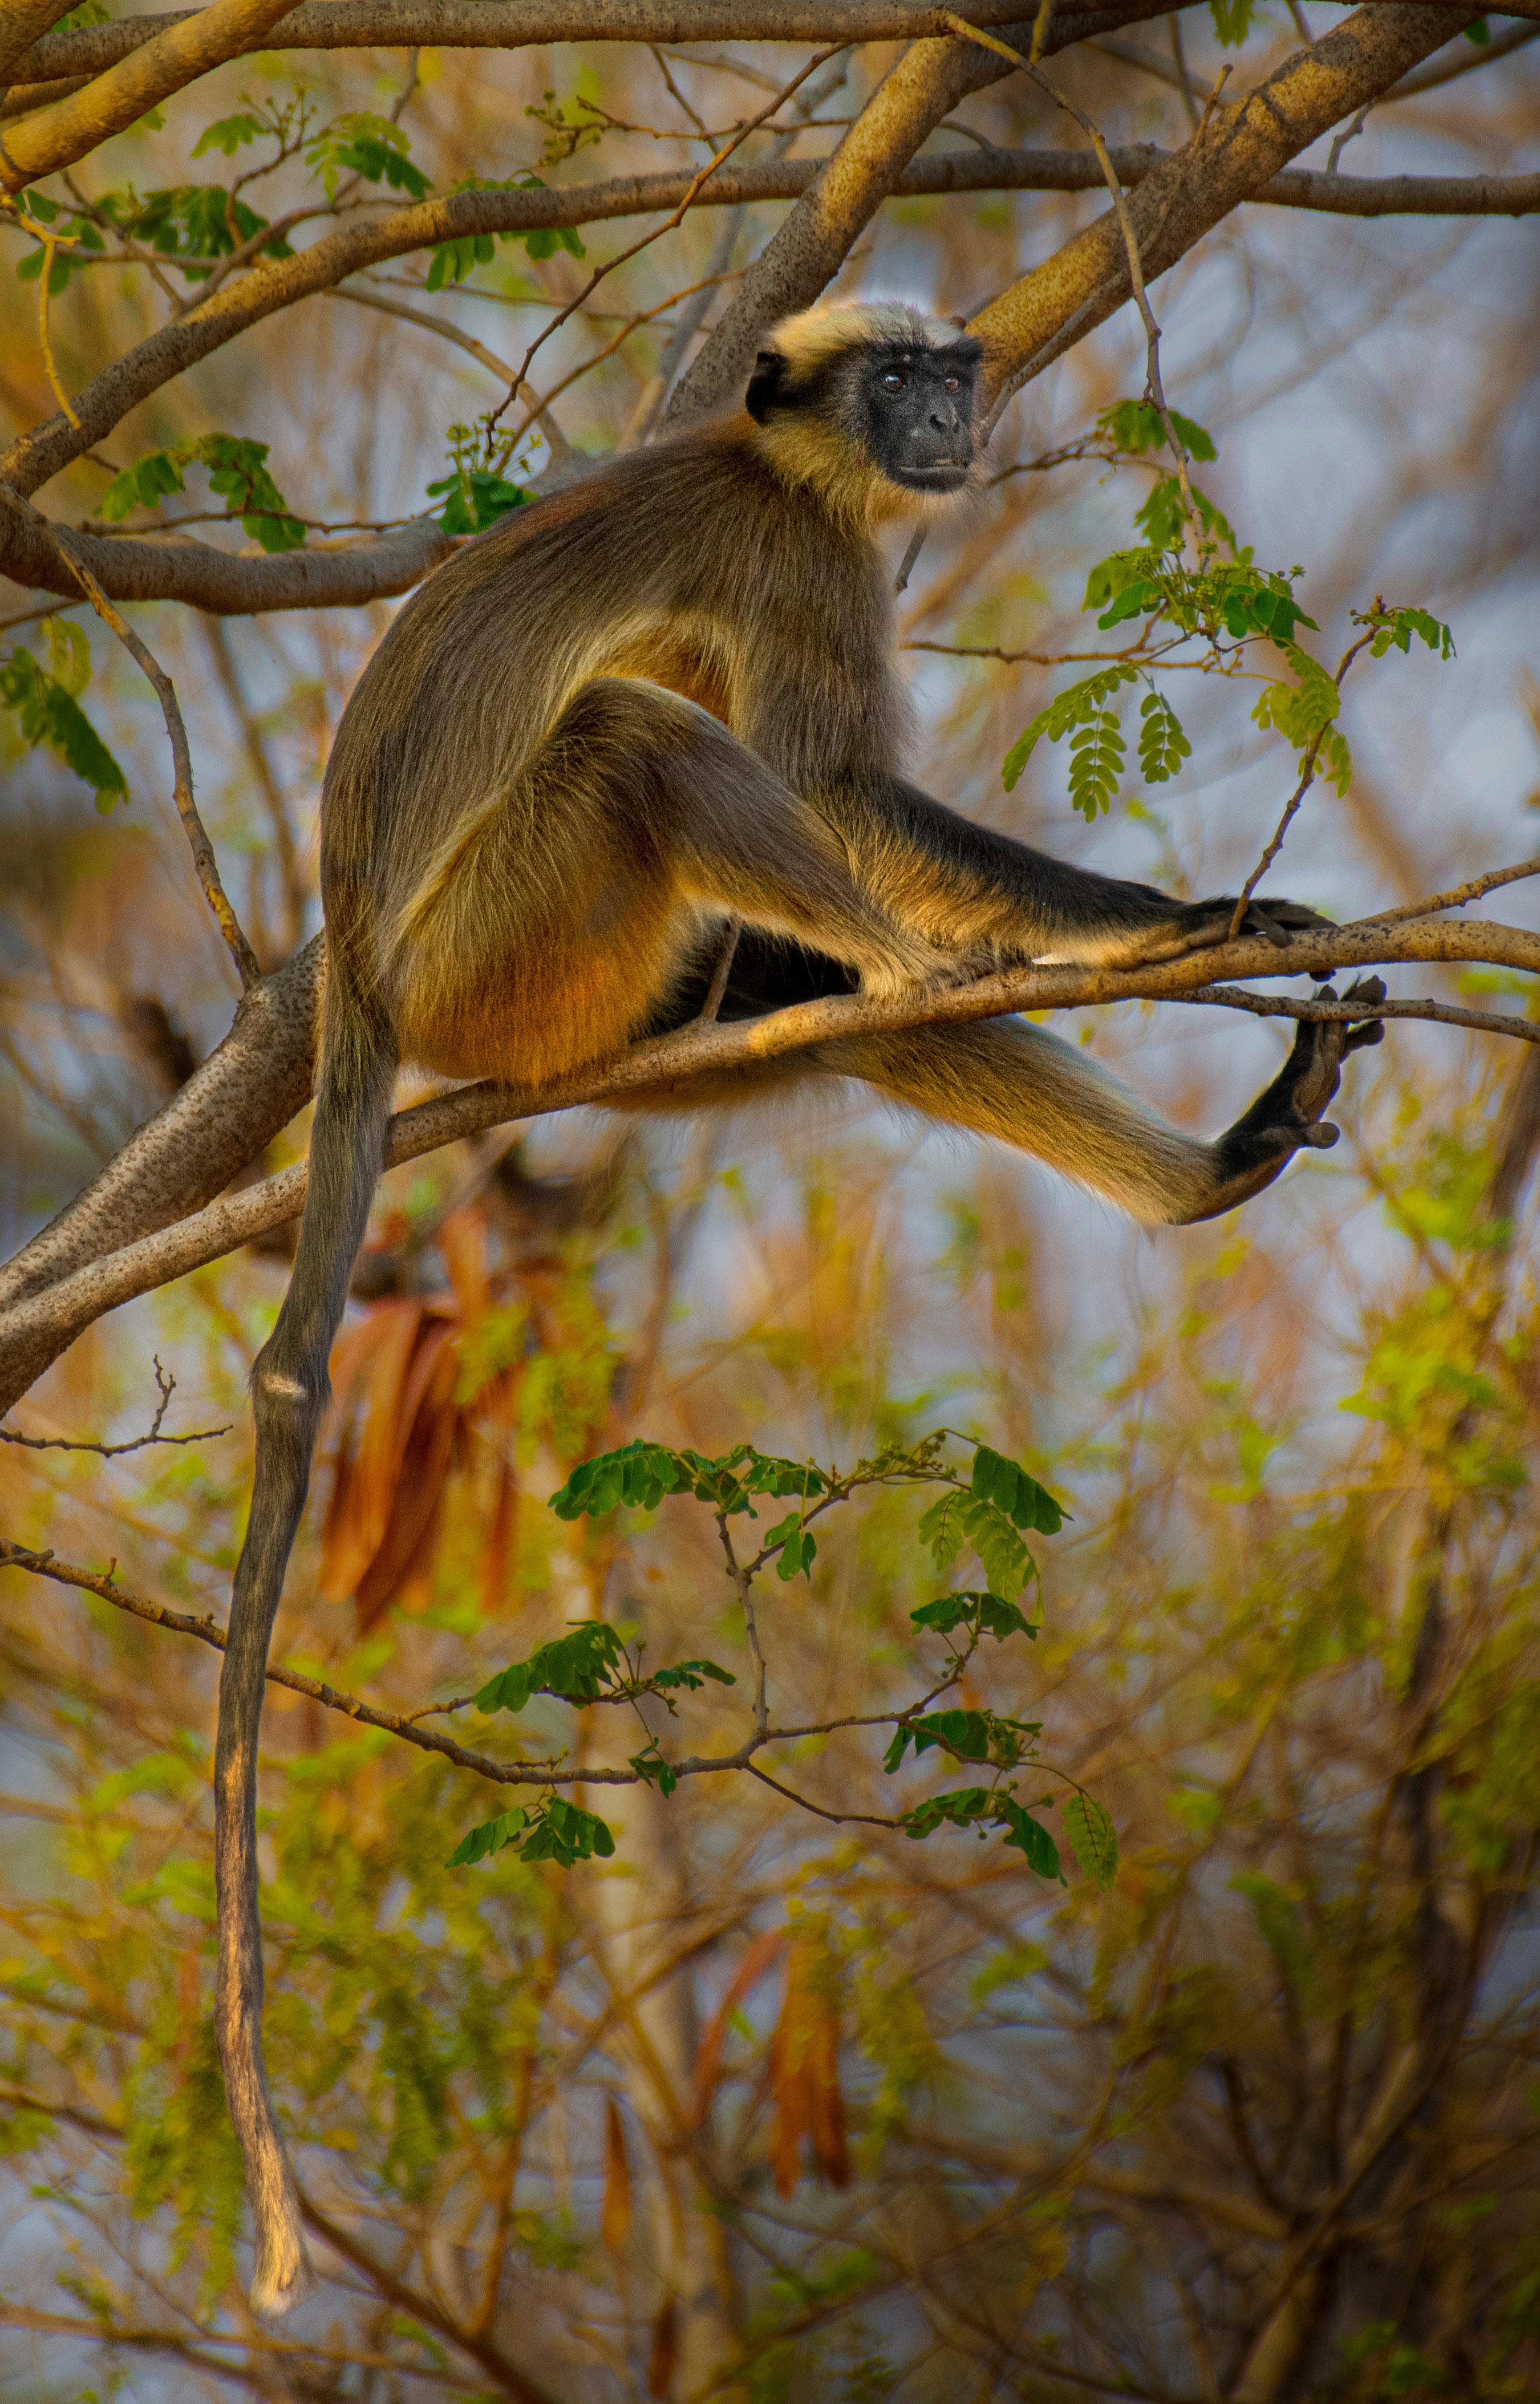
[(1093, 1839), (1029, 1837), (238, 475), (43, 702), (1232, 20), (552, 1831), (797, 1548), (1162, 745)]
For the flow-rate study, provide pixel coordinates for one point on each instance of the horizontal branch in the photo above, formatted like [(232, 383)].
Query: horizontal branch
[(227, 584), (208, 1630), (659, 1074), (517, 24), (164, 567), (1437, 1014)]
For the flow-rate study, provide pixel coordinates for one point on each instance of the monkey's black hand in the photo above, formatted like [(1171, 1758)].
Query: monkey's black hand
[(1287, 1118), (1206, 923)]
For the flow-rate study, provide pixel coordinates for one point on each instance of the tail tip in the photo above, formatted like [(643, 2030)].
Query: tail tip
[(283, 2277)]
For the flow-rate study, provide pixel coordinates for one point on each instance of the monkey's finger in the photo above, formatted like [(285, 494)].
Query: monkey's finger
[(1320, 1137), (1260, 921)]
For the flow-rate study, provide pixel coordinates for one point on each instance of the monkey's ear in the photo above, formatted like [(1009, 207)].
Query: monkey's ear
[(764, 386)]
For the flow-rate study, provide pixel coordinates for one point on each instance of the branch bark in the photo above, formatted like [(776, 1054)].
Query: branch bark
[(516, 24), (55, 137), (20, 25), (36, 1329)]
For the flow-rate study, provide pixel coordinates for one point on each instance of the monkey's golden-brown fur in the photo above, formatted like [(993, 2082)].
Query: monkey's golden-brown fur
[(662, 700)]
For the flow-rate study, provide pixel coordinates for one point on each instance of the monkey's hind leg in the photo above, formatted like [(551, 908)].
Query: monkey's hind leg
[(290, 1388), (1016, 1082)]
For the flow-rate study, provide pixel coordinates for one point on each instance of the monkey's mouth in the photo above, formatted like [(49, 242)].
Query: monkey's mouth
[(940, 475)]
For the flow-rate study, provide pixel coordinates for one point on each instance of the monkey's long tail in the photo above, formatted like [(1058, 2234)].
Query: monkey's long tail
[(289, 1389)]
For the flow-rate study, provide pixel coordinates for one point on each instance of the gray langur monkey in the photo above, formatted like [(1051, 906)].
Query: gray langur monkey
[(662, 699)]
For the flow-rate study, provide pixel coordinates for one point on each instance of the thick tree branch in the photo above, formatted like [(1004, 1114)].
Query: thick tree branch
[(1235, 152), (33, 1331), (177, 567), (811, 245), (517, 24), (224, 1117), (55, 137), (21, 23)]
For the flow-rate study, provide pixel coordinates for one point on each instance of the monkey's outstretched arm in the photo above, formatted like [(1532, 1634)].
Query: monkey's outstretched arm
[(289, 1385), (968, 885)]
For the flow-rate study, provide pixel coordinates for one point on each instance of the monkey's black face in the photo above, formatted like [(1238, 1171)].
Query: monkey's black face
[(919, 415)]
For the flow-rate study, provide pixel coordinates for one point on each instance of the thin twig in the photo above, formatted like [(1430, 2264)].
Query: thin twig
[(1131, 243), (247, 964), (167, 1384), (1457, 896), (51, 241), (1308, 768), (717, 159), (1442, 1013)]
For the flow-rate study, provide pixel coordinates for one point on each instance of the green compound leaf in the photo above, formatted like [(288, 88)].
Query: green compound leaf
[(639, 1474), (691, 1674), (47, 712), (578, 1667), (1077, 705), (1303, 714), (362, 143), (553, 1830), (237, 474), (957, 1519), (1162, 744), (451, 262), (1398, 626), (1097, 754), (1093, 1839)]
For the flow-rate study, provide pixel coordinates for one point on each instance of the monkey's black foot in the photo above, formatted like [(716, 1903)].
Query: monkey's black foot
[(1287, 1118)]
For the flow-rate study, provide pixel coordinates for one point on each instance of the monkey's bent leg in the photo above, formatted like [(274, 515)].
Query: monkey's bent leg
[(734, 834), (567, 912), (1008, 1079), (289, 1384)]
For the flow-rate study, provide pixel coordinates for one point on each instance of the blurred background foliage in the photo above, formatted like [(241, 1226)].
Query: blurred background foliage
[(764, 2108)]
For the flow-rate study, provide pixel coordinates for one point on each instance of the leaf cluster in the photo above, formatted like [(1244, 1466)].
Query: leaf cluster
[(238, 475)]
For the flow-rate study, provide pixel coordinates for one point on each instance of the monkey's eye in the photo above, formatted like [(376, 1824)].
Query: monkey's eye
[(954, 384), (892, 381)]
